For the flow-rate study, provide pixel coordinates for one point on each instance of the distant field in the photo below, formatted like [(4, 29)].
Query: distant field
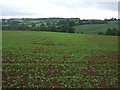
[(95, 28), (59, 60), (86, 29)]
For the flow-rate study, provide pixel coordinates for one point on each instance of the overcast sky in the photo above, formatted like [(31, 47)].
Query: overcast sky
[(59, 8)]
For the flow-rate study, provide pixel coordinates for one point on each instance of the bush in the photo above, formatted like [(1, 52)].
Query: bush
[(113, 32)]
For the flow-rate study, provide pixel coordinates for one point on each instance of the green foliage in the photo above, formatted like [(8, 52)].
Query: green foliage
[(100, 33), (43, 27), (82, 22), (113, 32), (33, 24), (64, 25), (16, 27), (52, 28), (66, 28), (81, 32), (70, 29)]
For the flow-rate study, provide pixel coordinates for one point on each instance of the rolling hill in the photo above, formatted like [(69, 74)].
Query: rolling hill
[(95, 28)]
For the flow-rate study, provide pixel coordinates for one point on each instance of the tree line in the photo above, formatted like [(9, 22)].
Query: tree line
[(113, 32), (77, 21), (59, 26)]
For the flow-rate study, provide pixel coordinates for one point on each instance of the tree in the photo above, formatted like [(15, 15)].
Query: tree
[(33, 24), (71, 23), (19, 26), (71, 29), (52, 28), (113, 32), (43, 27), (63, 28), (108, 32), (81, 32), (100, 33), (36, 28)]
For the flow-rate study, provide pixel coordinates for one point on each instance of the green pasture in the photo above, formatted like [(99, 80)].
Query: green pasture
[(95, 28)]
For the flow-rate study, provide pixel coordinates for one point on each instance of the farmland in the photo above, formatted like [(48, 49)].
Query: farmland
[(95, 28), (70, 25), (36, 59)]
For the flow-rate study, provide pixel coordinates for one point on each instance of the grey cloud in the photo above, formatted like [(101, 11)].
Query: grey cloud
[(14, 11), (113, 6), (71, 5), (8, 10), (108, 5)]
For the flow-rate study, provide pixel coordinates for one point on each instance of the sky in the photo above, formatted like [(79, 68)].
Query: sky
[(83, 9)]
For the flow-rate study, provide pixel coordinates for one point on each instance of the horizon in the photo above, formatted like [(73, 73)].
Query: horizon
[(56, 17)]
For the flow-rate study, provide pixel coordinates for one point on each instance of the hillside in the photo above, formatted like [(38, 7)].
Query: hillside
[(95, 28), (59, 60)]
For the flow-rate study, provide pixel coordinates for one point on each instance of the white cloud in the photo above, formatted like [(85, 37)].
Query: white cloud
[(57, 8)]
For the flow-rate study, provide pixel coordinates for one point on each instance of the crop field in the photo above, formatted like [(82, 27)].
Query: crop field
[(34, 59), (95, 28)]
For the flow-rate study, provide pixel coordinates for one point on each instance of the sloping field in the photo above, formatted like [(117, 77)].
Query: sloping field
[(95, 28), (59, 60)]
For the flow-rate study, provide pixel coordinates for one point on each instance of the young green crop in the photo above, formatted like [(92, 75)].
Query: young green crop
[(59, 60)]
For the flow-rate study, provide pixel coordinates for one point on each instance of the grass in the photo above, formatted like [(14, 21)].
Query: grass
[(95, 28), (58, 60)]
